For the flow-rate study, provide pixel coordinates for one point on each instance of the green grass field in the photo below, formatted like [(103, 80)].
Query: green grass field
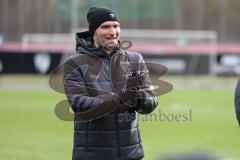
[(30, 130)]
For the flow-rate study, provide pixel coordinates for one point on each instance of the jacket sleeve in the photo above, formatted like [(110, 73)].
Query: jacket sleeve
[(237, 101), (146, 99), (75, 89), (139, 91)]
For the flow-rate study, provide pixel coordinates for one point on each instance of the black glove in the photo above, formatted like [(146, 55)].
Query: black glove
[(145, 102), (128, 94)]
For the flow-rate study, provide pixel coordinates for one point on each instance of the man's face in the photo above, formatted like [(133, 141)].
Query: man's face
[(107, 35)]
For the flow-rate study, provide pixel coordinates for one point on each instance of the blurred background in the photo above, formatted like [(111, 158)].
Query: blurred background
[(196, 36), (197, 40)]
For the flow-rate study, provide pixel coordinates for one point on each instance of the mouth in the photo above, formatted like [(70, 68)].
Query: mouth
[(111, 38), (110, 42)]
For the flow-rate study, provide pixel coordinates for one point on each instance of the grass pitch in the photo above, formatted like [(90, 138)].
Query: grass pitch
[(30, 130)]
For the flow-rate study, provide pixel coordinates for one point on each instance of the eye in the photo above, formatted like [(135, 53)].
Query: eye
[(116, 26)]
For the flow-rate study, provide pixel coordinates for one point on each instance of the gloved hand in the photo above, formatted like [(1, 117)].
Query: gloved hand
[(128, 94), (141, 98), (145, 102), (129, 97)]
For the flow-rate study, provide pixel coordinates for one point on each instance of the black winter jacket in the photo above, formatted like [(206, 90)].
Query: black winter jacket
[(93, 80), (237, 101)]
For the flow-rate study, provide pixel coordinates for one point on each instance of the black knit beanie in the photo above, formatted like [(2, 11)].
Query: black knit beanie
[(98, 15)]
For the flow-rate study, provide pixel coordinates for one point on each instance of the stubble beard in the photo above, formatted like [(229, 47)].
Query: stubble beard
[(109, 47)]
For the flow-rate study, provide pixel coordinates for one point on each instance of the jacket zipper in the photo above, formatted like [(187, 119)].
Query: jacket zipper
[(86, 137), (116, 112), (117, 133)]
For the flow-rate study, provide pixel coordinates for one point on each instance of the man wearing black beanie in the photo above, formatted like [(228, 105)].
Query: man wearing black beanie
[(106, 88)]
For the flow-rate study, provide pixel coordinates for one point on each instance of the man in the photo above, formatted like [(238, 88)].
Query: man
[(106, 87)]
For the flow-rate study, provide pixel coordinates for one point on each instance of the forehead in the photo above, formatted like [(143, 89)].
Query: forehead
[(110, 23)]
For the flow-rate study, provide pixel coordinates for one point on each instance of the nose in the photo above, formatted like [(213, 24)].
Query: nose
[(112, 31)]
